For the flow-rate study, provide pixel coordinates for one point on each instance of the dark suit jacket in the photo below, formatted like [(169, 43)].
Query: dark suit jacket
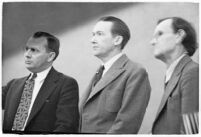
[(180, 97), (118, 102), (55, 108)]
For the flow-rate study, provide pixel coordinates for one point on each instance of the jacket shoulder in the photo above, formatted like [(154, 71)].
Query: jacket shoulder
[(135, 67), (16, 80), (191, 66), (66, 78)]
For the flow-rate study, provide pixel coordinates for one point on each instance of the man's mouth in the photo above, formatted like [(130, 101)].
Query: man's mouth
[(95, 47), (28, 62)]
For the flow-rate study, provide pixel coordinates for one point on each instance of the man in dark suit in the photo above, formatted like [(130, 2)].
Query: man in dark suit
[(116, 99), (46, 101), (174, 42)]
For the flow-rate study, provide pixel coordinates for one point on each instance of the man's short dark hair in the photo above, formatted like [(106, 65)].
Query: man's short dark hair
[(190, 41), (52, 42), (119, 28)]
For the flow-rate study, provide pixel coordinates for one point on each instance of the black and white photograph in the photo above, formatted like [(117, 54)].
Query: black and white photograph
[(100, 67)]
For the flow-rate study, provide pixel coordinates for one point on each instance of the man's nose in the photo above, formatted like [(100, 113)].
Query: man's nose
[(27, 53), (93, 39), (153, 42)]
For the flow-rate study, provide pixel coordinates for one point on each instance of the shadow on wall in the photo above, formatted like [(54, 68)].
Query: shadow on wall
[(72, 23), (21, 19)]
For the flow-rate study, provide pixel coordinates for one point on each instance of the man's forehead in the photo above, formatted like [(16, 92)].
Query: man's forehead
[(36, 41), (165, 25), (102, 26)]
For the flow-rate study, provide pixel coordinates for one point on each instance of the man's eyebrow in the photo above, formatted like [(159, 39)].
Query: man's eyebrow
[(98, 31)]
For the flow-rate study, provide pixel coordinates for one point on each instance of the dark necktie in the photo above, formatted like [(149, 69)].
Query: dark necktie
[(166, 84), (23, 108), (99, 75)]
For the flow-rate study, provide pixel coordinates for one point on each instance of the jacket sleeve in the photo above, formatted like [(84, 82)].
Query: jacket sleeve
[(190, 100), (67, 114), (135, 100), (4, 92), (190, 91)]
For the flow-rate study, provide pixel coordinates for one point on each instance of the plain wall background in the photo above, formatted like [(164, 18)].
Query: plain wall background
[(72, 23)]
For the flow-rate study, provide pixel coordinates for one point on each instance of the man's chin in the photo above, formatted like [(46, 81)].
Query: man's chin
[(157, 55), (96, 54), (160, 57), (30, 68)]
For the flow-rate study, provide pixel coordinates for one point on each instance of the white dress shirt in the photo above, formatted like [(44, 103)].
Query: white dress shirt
[(172, 67), (37, 85), (109, 63)]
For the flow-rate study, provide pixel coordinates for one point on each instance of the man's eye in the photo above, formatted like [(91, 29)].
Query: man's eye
[(99, 33), (160, 33), (33, 50)]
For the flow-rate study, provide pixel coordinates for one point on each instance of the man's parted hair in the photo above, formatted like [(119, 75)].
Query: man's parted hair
[(190, 41), (53, 43), (119, 28)]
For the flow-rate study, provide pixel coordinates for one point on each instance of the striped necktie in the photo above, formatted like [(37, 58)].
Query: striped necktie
[(25, 101)]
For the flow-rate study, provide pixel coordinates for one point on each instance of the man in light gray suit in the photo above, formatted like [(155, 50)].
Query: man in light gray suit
[(116, 98), (174, 42)]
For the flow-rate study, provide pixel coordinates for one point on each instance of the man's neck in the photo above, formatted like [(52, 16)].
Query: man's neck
[(172, 58), (110, 62), (110, 56), (41, 69), (169, 59)]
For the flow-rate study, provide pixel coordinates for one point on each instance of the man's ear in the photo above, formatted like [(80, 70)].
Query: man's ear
[(181, 34), (118, 40), (51, 56)]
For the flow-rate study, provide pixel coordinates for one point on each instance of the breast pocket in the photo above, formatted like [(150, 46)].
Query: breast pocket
[(113, 101), (49, 105), (174, 103)]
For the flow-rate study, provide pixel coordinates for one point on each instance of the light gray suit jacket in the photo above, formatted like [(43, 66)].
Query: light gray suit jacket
[(181, 96), (118, 102)]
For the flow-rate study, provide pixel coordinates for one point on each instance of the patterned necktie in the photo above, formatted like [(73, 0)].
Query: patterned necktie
[(23, 108), (99, 74)]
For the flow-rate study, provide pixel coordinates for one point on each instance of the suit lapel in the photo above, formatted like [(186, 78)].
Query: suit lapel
[(85, 96), (46, 89), (173, 81), (15, 97), (115, 70)]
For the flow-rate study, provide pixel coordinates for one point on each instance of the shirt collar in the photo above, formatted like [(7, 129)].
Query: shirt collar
[(172, 67), (109, 63), (42, 75)]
